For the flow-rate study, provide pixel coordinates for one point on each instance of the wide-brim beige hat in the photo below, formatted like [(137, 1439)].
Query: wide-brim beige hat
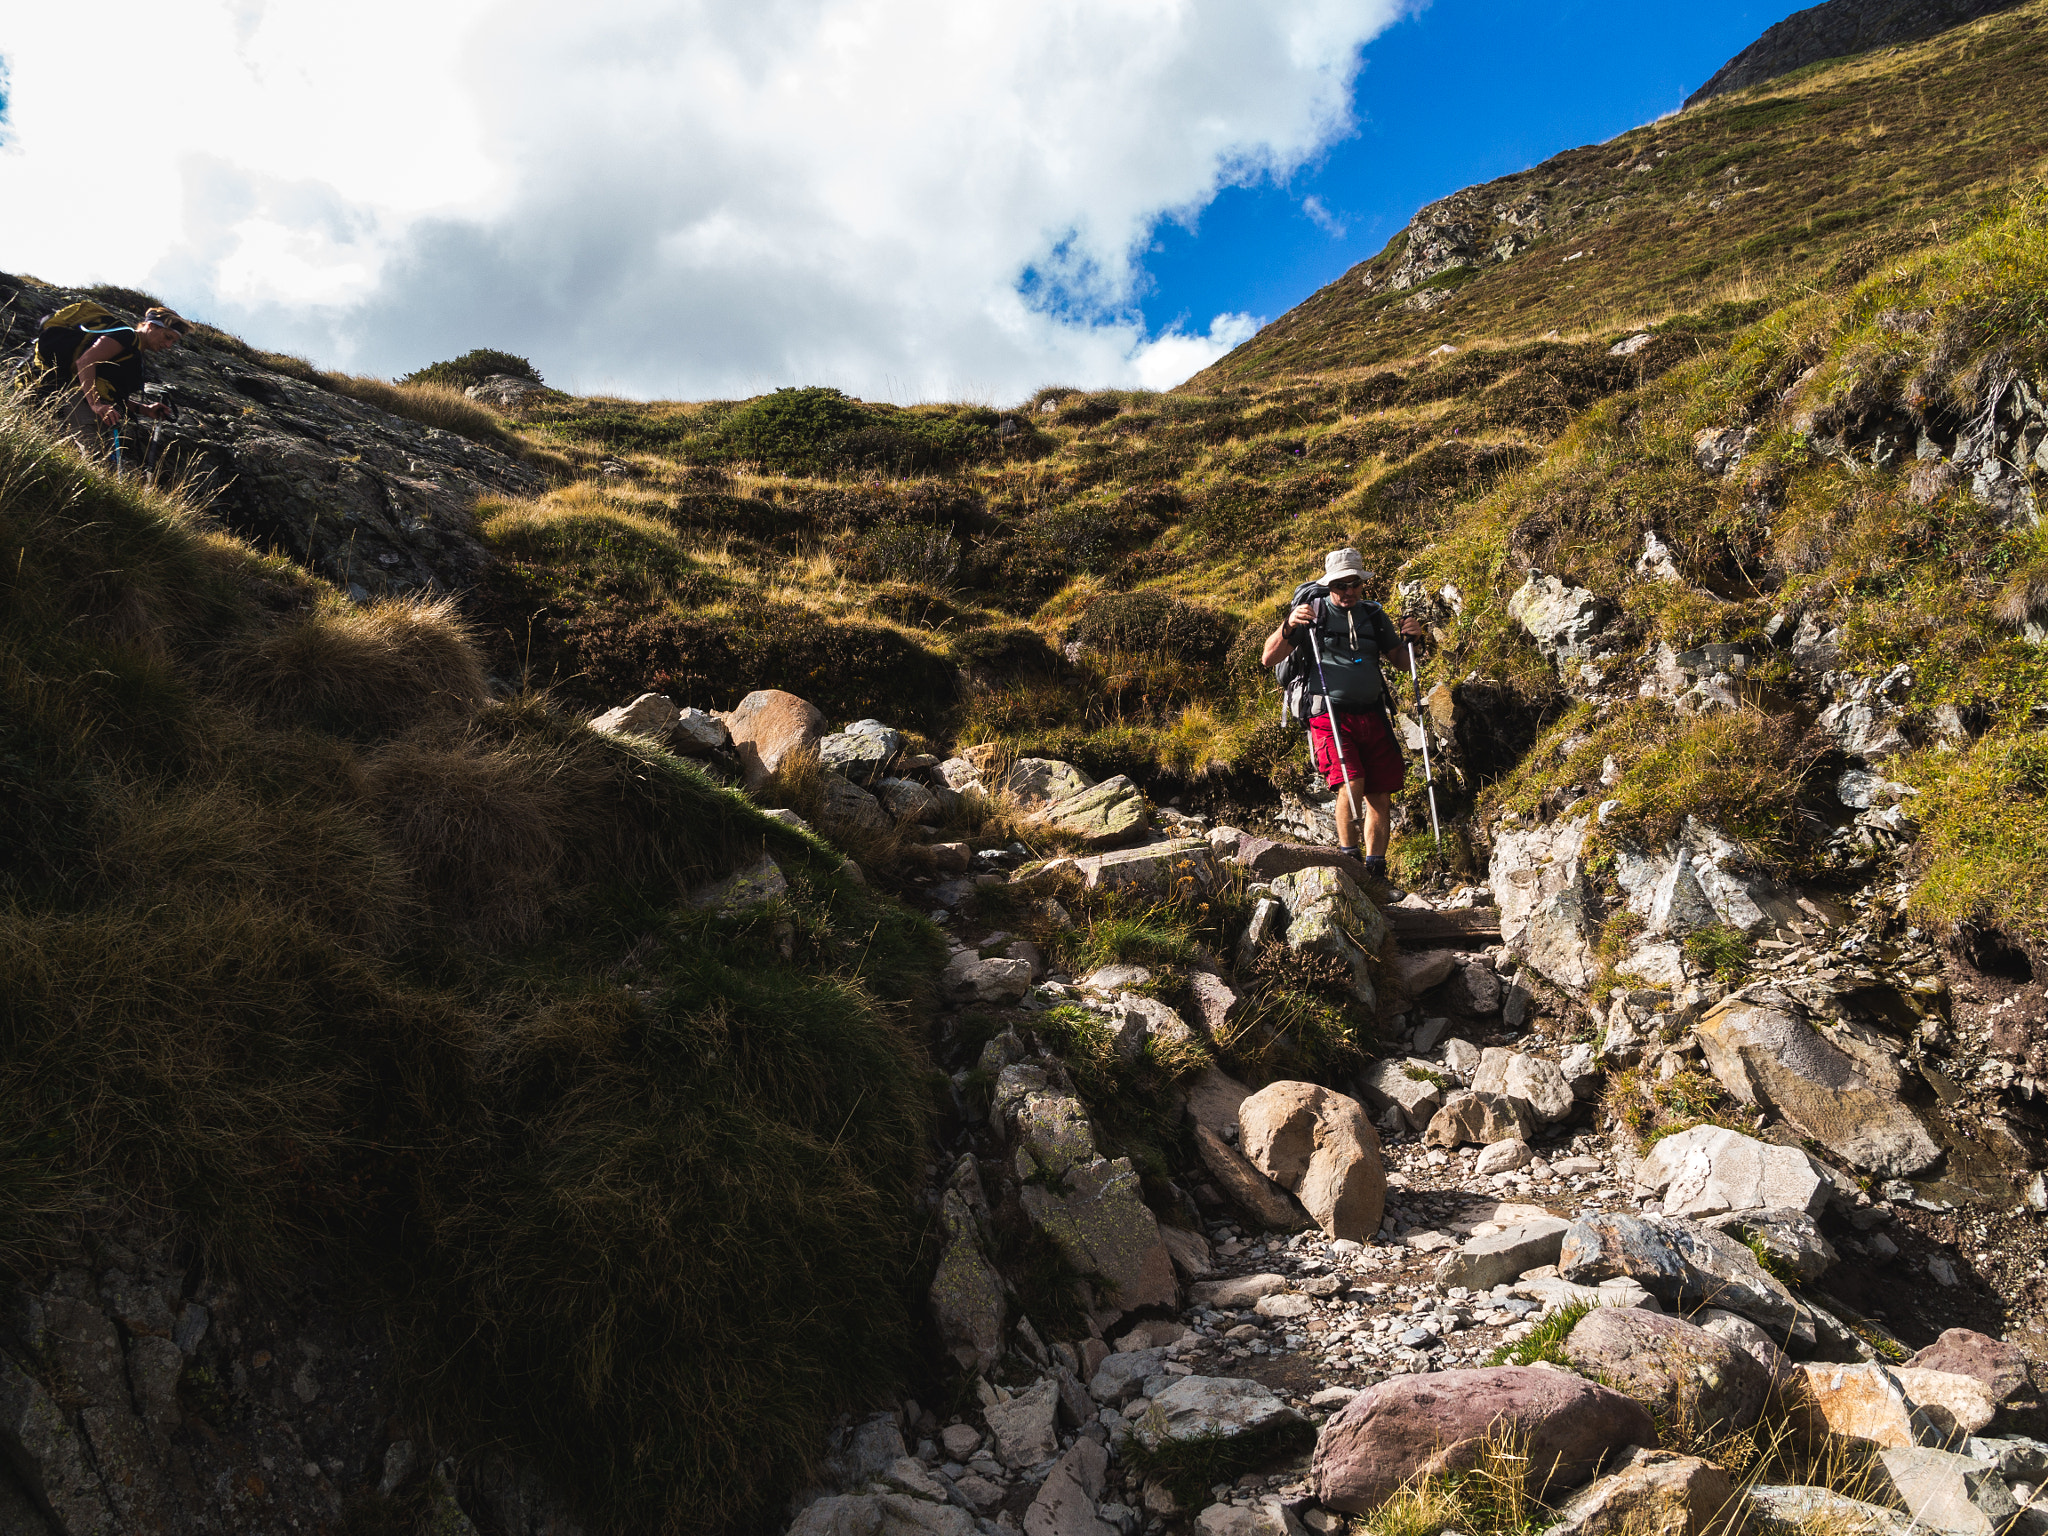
[(1339, 563)]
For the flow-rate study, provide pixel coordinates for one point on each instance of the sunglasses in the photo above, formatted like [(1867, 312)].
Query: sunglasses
[(1348, 584)]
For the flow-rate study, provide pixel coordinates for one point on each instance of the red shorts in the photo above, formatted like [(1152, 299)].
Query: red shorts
[(1370, 752)]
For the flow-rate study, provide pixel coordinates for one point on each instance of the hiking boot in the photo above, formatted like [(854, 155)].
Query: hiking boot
[(1377, 885)]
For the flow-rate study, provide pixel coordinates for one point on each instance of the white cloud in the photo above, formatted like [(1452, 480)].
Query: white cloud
[(675, 197), (1319, 215)]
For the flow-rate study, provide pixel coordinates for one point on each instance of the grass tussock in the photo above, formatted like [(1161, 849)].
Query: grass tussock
[(443, 407), (316, 955)]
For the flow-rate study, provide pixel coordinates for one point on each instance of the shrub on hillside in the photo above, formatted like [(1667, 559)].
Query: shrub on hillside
[(1155, 623), (816, 429), (474, 367)]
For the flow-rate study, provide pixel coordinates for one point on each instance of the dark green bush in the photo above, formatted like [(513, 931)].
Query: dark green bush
[(1158, 624), (473, 368)]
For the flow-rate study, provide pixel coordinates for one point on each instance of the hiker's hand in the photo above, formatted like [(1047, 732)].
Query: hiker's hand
[(105, 414), (1411, 629), (1303, 616), (155, 410)]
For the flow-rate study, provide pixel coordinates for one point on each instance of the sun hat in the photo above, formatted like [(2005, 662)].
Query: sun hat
[(1339, 563)]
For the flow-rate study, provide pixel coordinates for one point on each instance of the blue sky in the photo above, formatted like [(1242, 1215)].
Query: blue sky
[(1461, 93)]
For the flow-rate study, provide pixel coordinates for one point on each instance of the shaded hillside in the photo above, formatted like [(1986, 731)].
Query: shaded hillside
[(1815, 178)]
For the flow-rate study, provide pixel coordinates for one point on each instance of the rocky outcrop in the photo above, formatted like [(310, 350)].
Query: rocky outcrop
[(375, 503), (1680, 1371), (1539, 879), (1838, 28)]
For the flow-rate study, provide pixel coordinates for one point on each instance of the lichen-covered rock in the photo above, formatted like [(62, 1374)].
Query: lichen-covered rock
[(1479, 1119), (1037, 781), (1328, 914), (1212, 1407), (1760, 1046), (1157, 868), (966, 1293), (1710, 1169), (758, 884), (1539, 878), (1104, 815), (1565, 621), (862, 752)]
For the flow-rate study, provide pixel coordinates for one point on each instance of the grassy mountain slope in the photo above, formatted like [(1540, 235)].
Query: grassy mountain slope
[(320, 954), (1100, 567), (1813, 178)]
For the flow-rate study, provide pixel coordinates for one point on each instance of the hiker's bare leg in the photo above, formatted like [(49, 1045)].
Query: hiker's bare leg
[(1347, 816), (1379, 823)]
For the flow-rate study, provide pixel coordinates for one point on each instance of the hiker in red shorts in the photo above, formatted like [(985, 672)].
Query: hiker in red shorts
[(1353, 633)]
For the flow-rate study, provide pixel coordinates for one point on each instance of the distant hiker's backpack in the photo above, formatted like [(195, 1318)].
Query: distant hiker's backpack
[(69, 332)]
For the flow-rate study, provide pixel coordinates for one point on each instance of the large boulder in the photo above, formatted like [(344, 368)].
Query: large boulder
[(1318, 1145), (1701, 878), (1684, 1373), (1958, 1406), (1650, 1493), (1426, 1425), (1807, 1507), (1212, 1408), (967, 1294), (1497, 1258), (1026, 1428), (1762, 1049), (850, 810), (1213, 1097), (1328, 914), (1866, 1405), (766, 727), (1036, 781), (1531, 1081), (1710, 1169), (1546, 901), (652, 715), (1103, 815), (1479, 1119), (1788, 1237), (969, 977)]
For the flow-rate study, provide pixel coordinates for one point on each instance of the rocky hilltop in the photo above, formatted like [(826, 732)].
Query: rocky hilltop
[(376, 503), (815, 993), (1836, 30)]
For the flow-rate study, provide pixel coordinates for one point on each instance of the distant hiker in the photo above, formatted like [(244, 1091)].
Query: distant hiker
[(1359, 753), (90, 364)]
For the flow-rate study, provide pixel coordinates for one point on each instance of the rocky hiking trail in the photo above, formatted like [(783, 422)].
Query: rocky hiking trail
[(1475, 1206)]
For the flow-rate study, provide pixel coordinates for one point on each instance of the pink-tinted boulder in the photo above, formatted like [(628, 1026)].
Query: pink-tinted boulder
[(1439, 1423), (1965, 1352), (767, 726), (1681, 1371)]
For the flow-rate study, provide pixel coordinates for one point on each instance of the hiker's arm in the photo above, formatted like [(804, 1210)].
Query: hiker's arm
[(105, 350), (1411, 637), (1277, 643)]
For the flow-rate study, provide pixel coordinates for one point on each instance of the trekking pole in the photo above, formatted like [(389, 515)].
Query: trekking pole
[(1422, 724), (1336, 736)]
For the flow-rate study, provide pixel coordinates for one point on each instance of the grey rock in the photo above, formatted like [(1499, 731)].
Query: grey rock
[(1158, 868), (697, 733), (1650, 1491), (966, 1293), (758, 884), (652, 715), (1065, 1505), (882, 1514), (906, 799), (1407, 1083), (968, 977), (1682, 1264), (862, 752), (1037, 781), (1505, 1157), (1205, 1407), (1141, 1020), (1122, 1376), (850, 809), (1025, 1428), (1479, 1119), (1327, 913), (1500, 1257), (1802, 1506), (1538, 877), (1257, 1520), (1761, 1047), (1790, 1236), (1565, 621), (1711, 1169), (1948, 1494), (49, 1456)]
